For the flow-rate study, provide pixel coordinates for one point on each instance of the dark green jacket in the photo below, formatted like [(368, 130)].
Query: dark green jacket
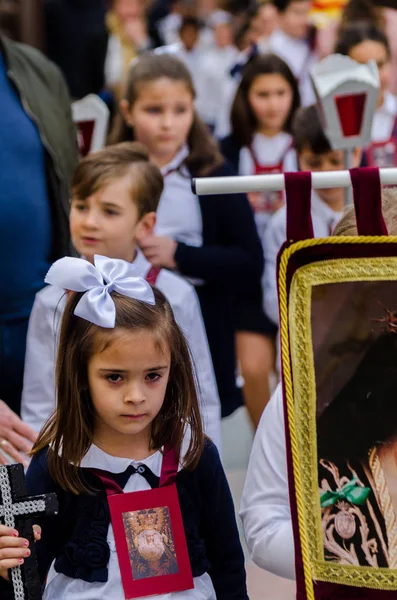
[(46, 100)]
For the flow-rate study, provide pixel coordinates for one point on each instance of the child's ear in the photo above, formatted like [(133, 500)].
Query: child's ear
[(126, 112), (357, 156), (145, 226)]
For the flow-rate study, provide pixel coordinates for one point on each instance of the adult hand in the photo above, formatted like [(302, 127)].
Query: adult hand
[(160, 251), (16, 438)]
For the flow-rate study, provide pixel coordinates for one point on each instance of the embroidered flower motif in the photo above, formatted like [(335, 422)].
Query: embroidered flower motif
[(86, 556)]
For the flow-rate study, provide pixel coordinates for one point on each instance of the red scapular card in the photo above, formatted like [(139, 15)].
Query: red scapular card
[(150, 542), (149, 534)]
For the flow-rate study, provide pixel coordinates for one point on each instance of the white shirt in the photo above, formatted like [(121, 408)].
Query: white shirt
[(38, 396), (385, 119), (268, 152), (265, 509), (178, 213), (226, 92), (61, 587), (324, 222), (213, 78), (299, 57)]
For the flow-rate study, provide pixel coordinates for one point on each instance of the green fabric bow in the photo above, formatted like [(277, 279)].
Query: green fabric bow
[(351, 492)]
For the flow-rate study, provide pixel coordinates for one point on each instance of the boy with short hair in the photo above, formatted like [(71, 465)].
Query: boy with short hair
[(115, 194), (294, 42), (314, 153)]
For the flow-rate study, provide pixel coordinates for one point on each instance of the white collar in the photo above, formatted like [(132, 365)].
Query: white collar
[(98, 459), (141, 263), (177, 161), (95, 458)]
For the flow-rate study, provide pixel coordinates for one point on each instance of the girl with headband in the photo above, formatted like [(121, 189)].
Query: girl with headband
[(126, 395)]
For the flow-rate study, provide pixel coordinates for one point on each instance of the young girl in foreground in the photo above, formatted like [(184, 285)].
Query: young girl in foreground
[(211, 240), (125, 389)]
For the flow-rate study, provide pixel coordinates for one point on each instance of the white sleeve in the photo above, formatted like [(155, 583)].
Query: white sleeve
[(265, 509), (38, 395), (196, 336), (273, 239)]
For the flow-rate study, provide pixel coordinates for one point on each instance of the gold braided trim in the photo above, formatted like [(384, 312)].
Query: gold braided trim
[(386, 506), (361, 577), (313, 560)]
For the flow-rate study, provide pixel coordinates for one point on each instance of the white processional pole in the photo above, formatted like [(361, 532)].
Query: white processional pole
[(205, 186)]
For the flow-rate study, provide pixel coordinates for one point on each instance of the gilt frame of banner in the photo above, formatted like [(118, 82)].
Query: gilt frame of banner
[(303, 265)]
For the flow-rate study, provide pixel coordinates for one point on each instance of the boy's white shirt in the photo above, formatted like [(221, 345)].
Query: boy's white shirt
[(324, 219), (38, 396), (299, 58), (265, 509), (61, 586)]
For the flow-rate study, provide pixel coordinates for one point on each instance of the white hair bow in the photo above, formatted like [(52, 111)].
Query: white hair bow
[(108, 274)]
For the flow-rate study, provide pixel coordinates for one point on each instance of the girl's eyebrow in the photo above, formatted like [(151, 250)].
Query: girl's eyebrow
[(159, 368)]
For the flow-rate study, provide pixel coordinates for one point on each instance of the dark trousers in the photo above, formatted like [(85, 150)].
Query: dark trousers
[(12, 360)]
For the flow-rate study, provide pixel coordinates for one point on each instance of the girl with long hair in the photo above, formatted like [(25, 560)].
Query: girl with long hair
[(126, 397), (211, 240)]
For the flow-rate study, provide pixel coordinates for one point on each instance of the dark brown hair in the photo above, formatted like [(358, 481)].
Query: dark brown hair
[(282, 5), (204, 156), (308, 131), (354, 34), (362, 10), (128, 158), (69, 432), (243, 119)]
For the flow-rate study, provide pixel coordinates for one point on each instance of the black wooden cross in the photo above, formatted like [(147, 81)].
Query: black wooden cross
[(16, 510)]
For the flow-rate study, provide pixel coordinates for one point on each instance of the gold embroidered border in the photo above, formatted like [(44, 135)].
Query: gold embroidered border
[(302, 421)]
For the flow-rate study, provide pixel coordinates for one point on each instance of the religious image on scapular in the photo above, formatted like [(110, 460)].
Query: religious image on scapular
[(150, 542)]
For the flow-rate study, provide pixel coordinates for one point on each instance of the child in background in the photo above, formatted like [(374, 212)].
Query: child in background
[(188, 48), (354, 11), (294, 42), (211, 240), (115, 194), (314, 154), (126, 398), (263, 21), (364, 42), (215, 68), (261, 142), (128, 35)]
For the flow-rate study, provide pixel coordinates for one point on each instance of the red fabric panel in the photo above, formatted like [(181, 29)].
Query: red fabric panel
[(85, 133), (351, 111), (298, 189), (367, 193)]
